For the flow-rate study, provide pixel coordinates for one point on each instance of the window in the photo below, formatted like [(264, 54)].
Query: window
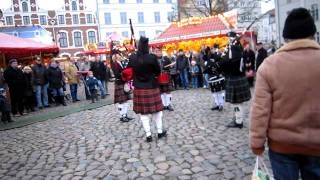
[(92, 37), (63, 40), (9, 20), (155, 1), (314, 12), (77, 39), (75, 19), (140, 17), (142, 33), (89, 18), (74, 5), (170, 16), (25, 7), (169, 1), (123, 17), (43, 20), (139, 1), (122, 1), (157, 17), (125, 34), (61, 19), (106, 2), (107, 18), (26, 20)]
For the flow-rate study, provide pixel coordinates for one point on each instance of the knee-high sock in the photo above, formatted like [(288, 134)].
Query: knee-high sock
[(122, 110), (146, 124), (221, 98), (239, 114), (164, 99), (168, 99), (157, 117), (215, 99), (125, 107)]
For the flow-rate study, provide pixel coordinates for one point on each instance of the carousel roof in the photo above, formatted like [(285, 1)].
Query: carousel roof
[(193, 28)]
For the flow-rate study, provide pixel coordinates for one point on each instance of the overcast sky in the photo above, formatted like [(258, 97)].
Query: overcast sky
[(57, 4)]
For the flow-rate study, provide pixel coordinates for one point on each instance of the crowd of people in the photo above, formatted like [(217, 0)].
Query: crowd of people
[(27, 88)]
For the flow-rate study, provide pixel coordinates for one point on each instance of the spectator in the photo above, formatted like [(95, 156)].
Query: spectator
[(41, 83), (5, 107), (248, 59), (71, 72), (207, 55), (194, 70), (16, 82), (84, 66), (55, 78), (261, 55), (93, 85), (99, 71), (28, 93), (182, 64), (285, 110)]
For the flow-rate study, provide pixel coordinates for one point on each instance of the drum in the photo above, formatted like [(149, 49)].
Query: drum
[(217, 83), (164, 78)]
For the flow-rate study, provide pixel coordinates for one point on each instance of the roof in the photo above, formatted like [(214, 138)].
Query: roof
[(196, 27), (15, 45)]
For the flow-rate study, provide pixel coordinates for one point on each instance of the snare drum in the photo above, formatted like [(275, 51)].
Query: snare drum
[(217, 83)]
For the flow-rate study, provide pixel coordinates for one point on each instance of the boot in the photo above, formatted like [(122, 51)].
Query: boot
[(163, 134), (149, 139), (123, 119), (63, 102), (170, 108), (215, 108)]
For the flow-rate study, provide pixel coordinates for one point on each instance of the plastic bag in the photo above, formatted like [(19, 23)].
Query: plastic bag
[(260, 171)]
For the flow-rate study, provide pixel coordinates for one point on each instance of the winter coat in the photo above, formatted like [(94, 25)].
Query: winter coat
[(39, 77), (194, 70), (15, 79), (55, 77), (182, 63), (117, 68), (145, 71), (262, 54), (71, 72), (99, 70), (285, 110), (29, 84), (248, 60)]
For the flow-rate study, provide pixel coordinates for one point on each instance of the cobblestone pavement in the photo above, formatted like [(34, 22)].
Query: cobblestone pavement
[(96, 145)]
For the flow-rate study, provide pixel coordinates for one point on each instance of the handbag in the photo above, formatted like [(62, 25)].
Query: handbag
[(127, 74), (128, 87), (260, 171), (250, 74)]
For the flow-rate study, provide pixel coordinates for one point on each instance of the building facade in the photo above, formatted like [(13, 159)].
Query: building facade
[(283, 8), (149, 17), (269, 28), (71, 27)]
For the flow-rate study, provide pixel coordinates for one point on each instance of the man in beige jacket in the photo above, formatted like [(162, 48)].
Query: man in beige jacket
[(72, 75), (286, 106)]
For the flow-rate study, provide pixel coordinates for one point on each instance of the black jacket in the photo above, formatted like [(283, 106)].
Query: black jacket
[(248, 58), (15, 79), (182, 63), (39, 77), (262, 54), (231, 67), (99, 70), (29, 86), (117, 70), (4, 104), (55, 77), (146, 70)]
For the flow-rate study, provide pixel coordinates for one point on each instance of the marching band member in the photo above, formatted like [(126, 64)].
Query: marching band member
[(146, 93), (166, 88), (120, 96), (237, 86)]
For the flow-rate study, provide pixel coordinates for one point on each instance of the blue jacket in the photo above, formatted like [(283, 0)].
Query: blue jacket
[(92, 83)]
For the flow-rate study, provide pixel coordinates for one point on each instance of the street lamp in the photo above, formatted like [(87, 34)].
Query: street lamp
[(53, 22)]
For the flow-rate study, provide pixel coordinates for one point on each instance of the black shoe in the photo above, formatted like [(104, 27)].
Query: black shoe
[(40, 108), (123, 119), (220, 108), (163, 134), (78, 100), (47, 106), (233, 124), (170, 108), (149, 139), (215, 108)]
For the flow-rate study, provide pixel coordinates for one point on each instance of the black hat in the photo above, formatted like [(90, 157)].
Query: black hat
[(216, 46), (299, 24), (143, 46), (12, 61), (231, 34)]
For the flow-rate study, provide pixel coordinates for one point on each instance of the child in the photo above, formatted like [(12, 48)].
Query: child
[(28, 93), (5, 107), (93, 85), (194, 73)]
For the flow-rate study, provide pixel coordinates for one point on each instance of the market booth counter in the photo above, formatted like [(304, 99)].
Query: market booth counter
[(23, 50)]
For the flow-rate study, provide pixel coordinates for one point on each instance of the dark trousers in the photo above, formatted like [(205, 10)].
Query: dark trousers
[(94, 95), (5, 116), (29, 102), (175, 80), (16, 101), (288, 166), (250, 80)]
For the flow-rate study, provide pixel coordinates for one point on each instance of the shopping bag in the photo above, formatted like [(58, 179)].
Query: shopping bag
[(260, 171)]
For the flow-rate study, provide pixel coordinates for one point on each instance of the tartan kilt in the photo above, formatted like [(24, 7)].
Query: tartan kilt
[(119, 95), (237, 89), (147, 101), (166, 88)]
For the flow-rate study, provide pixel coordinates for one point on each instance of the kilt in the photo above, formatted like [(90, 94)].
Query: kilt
[(237, 89), (147, 101), (166, 88), (119, 95), (217, 83)]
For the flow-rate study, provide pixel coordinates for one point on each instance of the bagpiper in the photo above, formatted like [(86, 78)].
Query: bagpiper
[(166, 87)]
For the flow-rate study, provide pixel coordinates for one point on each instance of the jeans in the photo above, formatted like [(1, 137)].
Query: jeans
[(102, 84), (194, 81), (288, 166), (74, 91), (205, 80), (184, 78), (57, 92), (42, 95)]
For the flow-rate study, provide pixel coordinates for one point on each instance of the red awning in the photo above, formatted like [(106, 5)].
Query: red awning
[(14, 45)]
